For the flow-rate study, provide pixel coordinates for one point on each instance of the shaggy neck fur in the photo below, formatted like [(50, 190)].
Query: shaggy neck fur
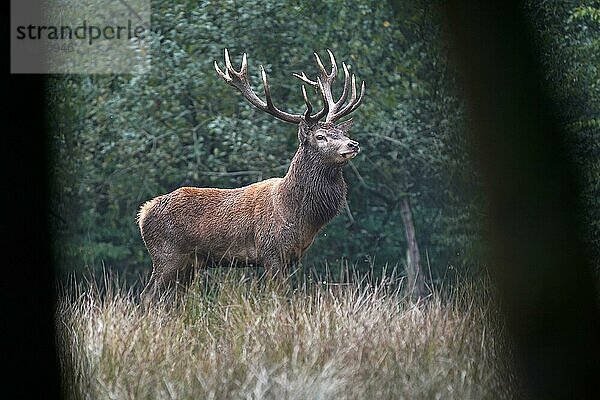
[(313, 190)]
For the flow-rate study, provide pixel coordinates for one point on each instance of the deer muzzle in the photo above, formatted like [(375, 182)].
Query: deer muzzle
[(352, 148)]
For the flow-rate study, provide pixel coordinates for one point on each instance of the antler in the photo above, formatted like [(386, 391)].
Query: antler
[(240, 81), (334, 109)]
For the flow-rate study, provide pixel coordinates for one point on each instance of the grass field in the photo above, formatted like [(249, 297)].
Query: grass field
[(235, 337)]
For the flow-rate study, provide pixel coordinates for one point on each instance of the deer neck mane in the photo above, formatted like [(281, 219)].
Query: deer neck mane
[(313, 191)]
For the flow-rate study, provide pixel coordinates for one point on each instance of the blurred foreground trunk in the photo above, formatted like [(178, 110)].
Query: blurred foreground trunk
[(539, 260)]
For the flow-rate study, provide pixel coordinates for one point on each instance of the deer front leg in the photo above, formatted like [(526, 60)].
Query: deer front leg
[(277, 269)]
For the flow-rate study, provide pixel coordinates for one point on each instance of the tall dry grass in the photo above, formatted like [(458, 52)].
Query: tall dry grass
[(237, 338)]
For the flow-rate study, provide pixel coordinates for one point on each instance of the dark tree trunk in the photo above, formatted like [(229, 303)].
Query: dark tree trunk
[(416, 279)]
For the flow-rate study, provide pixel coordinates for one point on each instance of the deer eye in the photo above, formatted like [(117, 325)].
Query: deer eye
[(320, 137)]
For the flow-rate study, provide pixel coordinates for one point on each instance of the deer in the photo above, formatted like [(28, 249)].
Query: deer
[(270, 223)]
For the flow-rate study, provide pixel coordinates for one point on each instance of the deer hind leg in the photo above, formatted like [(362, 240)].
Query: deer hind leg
[(169, 272)]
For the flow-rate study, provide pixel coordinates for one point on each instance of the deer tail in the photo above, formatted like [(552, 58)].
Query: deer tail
[(144, 211)]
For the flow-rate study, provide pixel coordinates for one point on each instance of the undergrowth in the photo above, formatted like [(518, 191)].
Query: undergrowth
[(237, 337)]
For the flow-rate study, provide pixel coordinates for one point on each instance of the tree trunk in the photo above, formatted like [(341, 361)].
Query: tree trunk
[(416, 278)]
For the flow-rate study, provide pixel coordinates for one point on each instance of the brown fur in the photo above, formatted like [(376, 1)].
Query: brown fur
[(269, 223)]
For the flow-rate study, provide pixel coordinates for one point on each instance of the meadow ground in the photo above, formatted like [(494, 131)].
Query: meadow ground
[(238, 337)]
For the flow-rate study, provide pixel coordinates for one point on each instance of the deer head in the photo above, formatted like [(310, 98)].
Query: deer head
[(318, 133)]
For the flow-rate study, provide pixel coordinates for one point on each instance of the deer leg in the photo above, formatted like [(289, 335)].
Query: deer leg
[(149, 290), (168, 272), (276, 271)]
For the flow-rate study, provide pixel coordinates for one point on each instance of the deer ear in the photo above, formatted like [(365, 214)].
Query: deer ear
[(345, 126)]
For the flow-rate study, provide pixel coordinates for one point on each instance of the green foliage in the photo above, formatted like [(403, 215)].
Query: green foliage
[(121, 140)]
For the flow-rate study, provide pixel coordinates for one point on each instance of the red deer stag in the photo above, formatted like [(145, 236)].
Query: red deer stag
[(269, 223)]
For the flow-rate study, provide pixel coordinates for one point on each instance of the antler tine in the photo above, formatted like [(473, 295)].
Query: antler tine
[(325, 110), (228, 61), (244, 69), (352, 105), (352, 96), (321, 67), (360, 98), (334, 68), (224, 75), (305, 79), (346, 84), (266, 88), (309, 107), (240, 81)]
